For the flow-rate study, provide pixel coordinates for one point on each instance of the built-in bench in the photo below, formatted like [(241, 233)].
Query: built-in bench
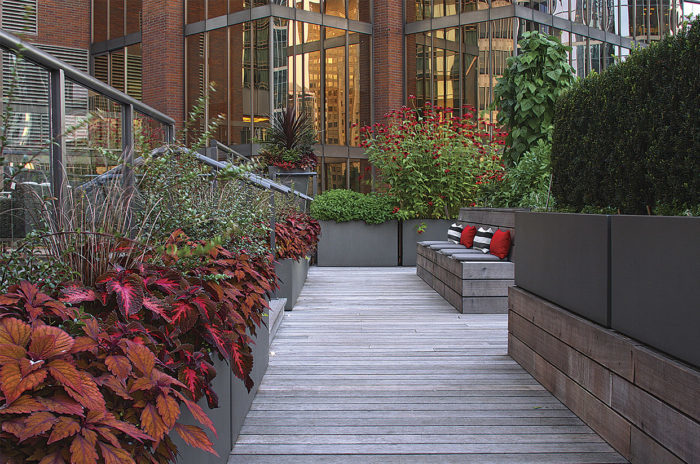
[(470, 280)]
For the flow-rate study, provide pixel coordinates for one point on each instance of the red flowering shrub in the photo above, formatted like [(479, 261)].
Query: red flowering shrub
[(297, 236), (433, 161), (84, 393)]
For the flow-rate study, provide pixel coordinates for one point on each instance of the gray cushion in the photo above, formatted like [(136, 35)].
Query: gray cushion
[(434, 242), (443, 246), (460, 251), (475, 257)]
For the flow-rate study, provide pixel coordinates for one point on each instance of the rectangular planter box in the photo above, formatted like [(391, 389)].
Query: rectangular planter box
[(655, 291), (234, 404), (357, 243), (436, 229), (563, 258), (291, 275), (635, 274)]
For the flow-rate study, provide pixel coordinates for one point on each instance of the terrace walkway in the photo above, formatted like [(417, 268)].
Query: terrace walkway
[(372, 366)]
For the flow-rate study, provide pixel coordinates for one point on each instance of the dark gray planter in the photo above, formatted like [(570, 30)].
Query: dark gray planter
[(234, 404), (635, 274), (357, 243), (299, 183), (655, 274), (563, 258), (291, 275), (436, 229)]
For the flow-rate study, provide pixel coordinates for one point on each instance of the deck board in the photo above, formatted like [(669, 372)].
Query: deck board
[(373, 363)]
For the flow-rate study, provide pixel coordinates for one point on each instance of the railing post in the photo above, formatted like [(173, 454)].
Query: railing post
[(57, 128), (128, 145), (170, 134), (272, 222)]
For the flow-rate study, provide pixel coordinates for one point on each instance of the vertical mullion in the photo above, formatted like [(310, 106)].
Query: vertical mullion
[(128, 144), (347, 92), (57, 121)]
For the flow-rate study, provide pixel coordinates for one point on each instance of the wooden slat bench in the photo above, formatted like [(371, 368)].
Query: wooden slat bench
[(471, 281)]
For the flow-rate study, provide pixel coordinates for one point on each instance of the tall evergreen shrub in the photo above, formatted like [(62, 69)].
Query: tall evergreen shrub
[(629, 138)]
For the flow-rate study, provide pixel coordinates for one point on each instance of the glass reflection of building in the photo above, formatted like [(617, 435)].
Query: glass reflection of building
[(457, 49), (322, 65), (320, 55)]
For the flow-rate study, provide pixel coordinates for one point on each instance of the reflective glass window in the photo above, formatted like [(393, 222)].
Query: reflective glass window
[(217, 62), (240, 86), (336, 173), (360, 10), (334, 7), (195, 78), (335, 96)]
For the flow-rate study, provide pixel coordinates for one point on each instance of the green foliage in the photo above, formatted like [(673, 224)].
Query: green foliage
[(525, 185), (204, 204), (526, 94), (629, 138), (346, 205), (433, 162)]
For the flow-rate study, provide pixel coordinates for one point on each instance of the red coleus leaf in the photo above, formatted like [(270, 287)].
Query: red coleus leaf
[(168, 408), (62, 404), (27, 366), (11, 353), (128, 289), (75, 294), (48, 342), (114, 384), (126, 428), (66, 374), (13, 426), (63, 428), (14, 332), (14, 384), (184, 315), (199, 414), (37, 304), (194, 436), (53, 458), (23, 405), (119, 366), (152, 422), (142, 383), (36, 424), (242, 364), (92, 329), (89, 395), (82, 451), (168, 282), (83, 344), (141, 357), (114, 455), (158, 306)]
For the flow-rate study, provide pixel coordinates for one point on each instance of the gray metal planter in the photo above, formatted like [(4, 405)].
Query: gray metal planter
[(298, 183), (436, 229), (234, 404), (357, 243), (292, 276)]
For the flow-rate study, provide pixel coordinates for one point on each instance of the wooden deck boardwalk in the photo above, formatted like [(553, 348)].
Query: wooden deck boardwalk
[(373, 366)]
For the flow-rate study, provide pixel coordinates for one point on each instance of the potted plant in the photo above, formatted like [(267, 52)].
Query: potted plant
[(288, 147)]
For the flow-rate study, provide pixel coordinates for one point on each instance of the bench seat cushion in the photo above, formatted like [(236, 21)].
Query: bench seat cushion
[(478, 257), (455, 251), (434, 242), (444, 246)]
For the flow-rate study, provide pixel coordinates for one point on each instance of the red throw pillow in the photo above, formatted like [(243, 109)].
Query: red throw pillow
[(500, 243), (467, 238)]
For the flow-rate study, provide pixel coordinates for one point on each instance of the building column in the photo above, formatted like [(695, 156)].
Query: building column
[(388, 57), (163, 49)]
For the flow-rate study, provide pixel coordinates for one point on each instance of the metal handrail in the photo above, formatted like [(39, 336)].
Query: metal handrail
[(220, 146), (45, 60)]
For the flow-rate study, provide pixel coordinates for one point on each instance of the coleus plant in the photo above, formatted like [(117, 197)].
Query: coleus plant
[(82, 393), (212, 306), (296, 237)]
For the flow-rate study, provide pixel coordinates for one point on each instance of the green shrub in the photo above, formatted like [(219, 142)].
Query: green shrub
[(525, 185), (526, 94), (346, 205), (629, 138)]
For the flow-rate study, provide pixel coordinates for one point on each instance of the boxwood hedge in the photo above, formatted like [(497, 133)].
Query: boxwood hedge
[(345, 205), (629, 138)]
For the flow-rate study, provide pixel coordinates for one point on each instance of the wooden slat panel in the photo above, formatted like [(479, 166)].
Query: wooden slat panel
[(603, 346), (373, 366)]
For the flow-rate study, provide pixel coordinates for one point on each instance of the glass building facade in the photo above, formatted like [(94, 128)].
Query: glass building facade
[(252, 58), (315, 55)]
